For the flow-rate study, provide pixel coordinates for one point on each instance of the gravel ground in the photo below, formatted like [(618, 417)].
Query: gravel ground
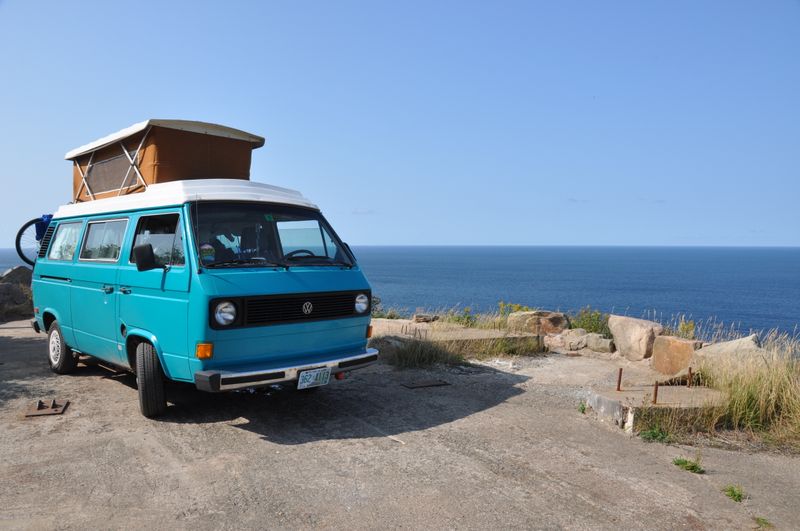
[(503, 446)]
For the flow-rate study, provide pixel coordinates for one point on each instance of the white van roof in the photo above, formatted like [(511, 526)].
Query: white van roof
[(180, 192)]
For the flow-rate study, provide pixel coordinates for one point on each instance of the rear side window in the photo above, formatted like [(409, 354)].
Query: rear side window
[(65, 241), (103, 240), (165, 235)]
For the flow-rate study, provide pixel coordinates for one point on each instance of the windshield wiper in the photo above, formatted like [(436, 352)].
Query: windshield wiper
[(246, 261), (318, 261)]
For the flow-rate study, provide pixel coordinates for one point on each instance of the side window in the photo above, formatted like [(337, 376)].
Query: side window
[(103, 240), (164, 233), (65, 241)]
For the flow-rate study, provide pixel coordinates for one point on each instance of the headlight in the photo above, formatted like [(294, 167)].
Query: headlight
[(362, 303), (225, 313)]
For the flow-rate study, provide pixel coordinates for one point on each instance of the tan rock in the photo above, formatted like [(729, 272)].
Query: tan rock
[(599, 343), (673, 354), (538, 322), (567, 341), (634, 337)]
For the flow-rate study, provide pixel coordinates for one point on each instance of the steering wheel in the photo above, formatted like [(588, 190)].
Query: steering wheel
[(297, 252)]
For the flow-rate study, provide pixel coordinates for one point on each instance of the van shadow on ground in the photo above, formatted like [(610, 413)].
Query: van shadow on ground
[(369, 404)]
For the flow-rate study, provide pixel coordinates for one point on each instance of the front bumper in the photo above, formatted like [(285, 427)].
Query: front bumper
[(221, 380)]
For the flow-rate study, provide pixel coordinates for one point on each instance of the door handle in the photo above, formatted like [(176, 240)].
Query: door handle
[(125, 290), (107, 289)]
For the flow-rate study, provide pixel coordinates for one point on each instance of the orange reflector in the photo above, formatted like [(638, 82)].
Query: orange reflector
[(369, 331), (204, 351), (339, 376)]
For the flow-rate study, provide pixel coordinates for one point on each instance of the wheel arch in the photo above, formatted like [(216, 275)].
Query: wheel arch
[(133, 337), (49, 315)]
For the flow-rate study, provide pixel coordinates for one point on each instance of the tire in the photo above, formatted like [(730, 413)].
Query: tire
[(59, 356), (18, 242), (150, 381)]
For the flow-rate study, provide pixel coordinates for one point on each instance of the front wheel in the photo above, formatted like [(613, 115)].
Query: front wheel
[(59, 355), (150, 381)]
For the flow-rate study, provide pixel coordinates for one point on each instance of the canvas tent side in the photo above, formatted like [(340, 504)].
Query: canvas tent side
[(158, 151)]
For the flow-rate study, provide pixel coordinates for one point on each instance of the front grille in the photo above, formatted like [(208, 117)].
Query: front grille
[(290, 308)]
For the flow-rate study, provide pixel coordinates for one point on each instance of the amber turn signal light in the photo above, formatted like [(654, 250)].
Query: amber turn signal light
[(369, 331), (204, 351)]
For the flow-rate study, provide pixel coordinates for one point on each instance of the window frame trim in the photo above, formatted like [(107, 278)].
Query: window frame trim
[(178, 226), (86, 237), (51, 248)]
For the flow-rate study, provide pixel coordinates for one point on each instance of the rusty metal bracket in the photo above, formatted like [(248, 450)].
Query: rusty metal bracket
[(41, 408), (424, 383)]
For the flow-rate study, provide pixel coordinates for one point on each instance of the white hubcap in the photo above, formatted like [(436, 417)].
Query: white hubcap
[(55, 347)]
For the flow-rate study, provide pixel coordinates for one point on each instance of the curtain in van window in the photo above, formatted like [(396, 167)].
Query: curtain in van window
[(103, 240), (65, 241)]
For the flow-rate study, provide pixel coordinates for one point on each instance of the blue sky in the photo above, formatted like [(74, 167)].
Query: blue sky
[(534, 123)]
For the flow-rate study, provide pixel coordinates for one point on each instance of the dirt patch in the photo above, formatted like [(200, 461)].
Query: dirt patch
[(502, 446)]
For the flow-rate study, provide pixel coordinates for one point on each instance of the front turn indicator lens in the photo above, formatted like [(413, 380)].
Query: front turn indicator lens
[(204, 351)]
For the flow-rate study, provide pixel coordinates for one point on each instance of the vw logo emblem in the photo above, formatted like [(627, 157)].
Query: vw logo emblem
[(307, 307)]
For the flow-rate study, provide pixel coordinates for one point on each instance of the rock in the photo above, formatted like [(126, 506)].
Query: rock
[(673, 354), (743, 348), (743, 352), (17, 275), (599, 343), (566, 341), (634, 337), (15, 302), (539, 322), (424, 318)]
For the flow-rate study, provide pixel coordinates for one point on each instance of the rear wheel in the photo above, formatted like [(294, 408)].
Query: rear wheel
[(150, 381), (59, 355)]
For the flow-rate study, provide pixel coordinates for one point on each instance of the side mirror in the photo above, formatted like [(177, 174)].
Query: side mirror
[(145, 258)]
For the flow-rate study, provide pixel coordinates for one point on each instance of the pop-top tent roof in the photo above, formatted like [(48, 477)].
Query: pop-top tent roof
[(180, 125)]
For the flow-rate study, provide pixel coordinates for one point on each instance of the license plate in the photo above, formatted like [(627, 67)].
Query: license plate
[(314, 378)]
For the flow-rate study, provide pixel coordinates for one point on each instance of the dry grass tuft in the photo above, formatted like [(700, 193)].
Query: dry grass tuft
[(413, 353)]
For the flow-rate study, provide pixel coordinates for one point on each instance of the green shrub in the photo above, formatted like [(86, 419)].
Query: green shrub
[(506, 308), (593, 321), (655, 434), (689, 465), (464, 317), (734, 492), (379, 312)]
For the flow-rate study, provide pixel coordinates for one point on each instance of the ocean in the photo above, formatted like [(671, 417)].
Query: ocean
[(750, 288)]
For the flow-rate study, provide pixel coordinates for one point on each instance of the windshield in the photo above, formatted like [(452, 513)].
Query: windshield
[(229, 234)]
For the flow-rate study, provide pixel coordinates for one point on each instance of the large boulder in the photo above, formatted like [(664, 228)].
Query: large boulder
[(15, 302), (673, 354), (17, 275), (538, 322), (728, 355), (634, 337), (743, 348)]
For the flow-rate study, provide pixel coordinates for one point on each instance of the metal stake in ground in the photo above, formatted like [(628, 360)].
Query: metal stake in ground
[(619, 380), (655, 393)]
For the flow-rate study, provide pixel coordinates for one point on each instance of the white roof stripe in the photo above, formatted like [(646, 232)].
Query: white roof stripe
[(183, 125), (180, 192)]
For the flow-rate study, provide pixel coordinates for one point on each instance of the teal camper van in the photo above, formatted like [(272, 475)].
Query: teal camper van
[(220, 282)]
